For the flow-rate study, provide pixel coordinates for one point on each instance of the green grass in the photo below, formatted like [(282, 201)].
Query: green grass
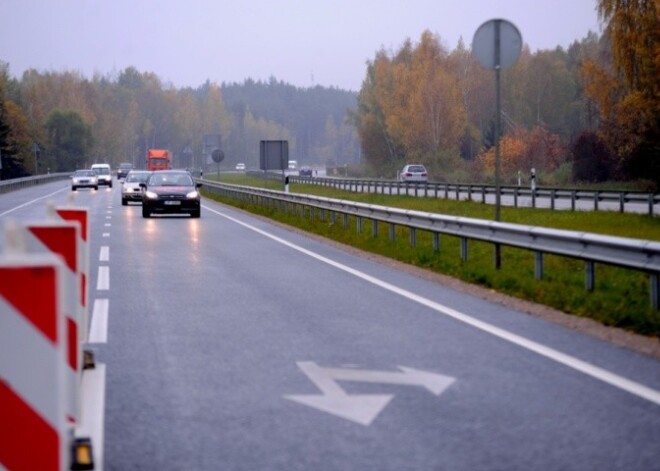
[(620, 297)]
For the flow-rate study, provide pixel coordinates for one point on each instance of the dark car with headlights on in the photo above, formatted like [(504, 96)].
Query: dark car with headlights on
[(170, 192), (130, 188), (84, 179), (123, 169), (305, 172)]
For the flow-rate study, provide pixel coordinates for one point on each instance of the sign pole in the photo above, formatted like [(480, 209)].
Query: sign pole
[(498, 132)]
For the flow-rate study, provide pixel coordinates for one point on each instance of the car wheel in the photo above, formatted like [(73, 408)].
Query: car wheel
[(124, 202), (96, 187), (73, 188), (145, 212), (110, 185), (195, 214)]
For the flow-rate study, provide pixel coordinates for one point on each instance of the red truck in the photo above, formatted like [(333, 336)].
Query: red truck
[(159, 159)]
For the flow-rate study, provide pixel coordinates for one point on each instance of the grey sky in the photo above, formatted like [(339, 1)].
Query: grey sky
[(302, 42)]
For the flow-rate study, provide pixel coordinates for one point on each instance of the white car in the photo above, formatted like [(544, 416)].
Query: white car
[(130, 189), (414, 173), (84, 179), (103, 173), (240, 167)]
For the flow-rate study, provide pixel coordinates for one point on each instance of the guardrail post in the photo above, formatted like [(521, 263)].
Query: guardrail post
[(622, 202), (573, 195), (552, 199), (651, 201), (469, 192), (374, 228), (596, 199), (590, 275), (446, 191), (483, 194), (333, 217), (538, 265), (345, 218), (436, 242), (464, 249), (359, 224), (458, 192), (413, 237), (533, 198), (392, 232), (515, 197), (654, 290)]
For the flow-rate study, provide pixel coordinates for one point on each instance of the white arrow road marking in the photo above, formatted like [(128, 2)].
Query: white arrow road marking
[(361, 408), (601, 374)]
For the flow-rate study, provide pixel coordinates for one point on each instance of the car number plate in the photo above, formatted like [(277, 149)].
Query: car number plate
[(172, 203)]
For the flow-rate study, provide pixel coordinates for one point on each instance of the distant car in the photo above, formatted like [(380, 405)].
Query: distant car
[(130, 189), (103, 173), (414, 173), (240, 166), (170, 191), (123, 170), (305, 172), (84, 179)]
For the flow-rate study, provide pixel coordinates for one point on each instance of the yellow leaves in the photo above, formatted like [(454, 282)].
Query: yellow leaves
[(419, 96), (523, 150)]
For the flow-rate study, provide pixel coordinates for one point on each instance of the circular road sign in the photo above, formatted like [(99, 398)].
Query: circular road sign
[(488, 36)]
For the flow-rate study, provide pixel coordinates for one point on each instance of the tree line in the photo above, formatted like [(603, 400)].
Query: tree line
[(589, 113), (75, 121)]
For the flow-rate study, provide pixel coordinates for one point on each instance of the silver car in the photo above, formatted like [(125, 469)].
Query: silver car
[(130, 188), (414, 173), (84, 179)]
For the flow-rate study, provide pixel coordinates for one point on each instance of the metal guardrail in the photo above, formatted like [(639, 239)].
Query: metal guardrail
[(18, 183), (480, 192), (634, 254)]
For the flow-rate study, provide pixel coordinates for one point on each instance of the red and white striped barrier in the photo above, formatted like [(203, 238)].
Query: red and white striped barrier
[(81, 216), (33, 356), (63, 239)]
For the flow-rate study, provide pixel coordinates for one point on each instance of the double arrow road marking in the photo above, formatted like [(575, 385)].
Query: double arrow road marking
[(361, 408)]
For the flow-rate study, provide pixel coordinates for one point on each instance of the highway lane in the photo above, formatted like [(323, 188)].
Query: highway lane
[(224, 331)]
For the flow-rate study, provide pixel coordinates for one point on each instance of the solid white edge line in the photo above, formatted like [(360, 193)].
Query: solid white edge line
[(596, 372), (32, 201), (98, 330), (103, 278)]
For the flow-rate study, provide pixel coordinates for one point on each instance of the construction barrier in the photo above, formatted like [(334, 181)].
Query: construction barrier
[(63, 239), (34, 433), (44, 323)]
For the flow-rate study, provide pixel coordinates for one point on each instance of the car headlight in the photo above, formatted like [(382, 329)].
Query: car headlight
[(193, 195), (151, 195)]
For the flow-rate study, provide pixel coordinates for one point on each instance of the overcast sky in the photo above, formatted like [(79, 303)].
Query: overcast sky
[(302, 42)]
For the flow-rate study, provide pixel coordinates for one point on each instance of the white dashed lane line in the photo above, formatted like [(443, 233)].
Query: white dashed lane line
[(98, 331)]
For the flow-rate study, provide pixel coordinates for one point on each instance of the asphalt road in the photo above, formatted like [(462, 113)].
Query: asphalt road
[(235, 344)]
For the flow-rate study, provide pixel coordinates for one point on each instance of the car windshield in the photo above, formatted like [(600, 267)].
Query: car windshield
[(84, 173), (137, 177), (169, 179), (416, 169), (102, 171)]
